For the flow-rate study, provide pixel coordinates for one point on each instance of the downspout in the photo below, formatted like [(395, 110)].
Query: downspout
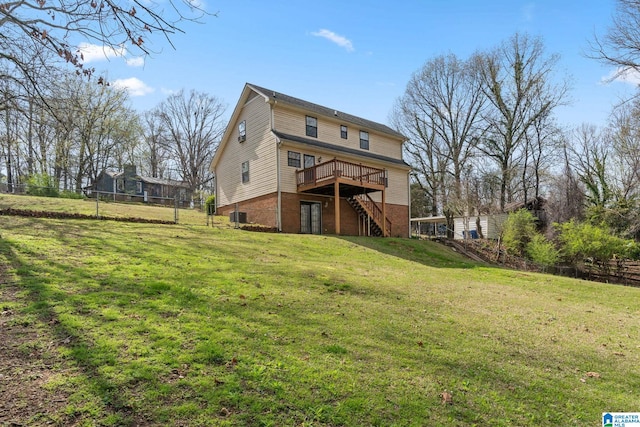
[(409, 201), (279, 204), (215, 192), (278, 184)]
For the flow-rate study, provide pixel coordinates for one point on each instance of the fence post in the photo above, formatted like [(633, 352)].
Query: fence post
[(175, 209), (97, 205)]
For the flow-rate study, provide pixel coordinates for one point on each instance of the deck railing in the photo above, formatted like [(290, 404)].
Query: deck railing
[(335, 168), (374, 211)]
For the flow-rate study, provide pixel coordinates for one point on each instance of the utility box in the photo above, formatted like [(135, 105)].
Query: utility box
[(241, 217)]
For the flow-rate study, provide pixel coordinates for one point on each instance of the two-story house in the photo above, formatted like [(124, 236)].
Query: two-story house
[(303, 168)]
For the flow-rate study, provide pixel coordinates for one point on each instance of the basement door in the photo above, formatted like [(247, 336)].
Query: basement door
[(310, 218)]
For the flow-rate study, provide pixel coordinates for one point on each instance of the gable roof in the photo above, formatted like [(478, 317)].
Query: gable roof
[(147, 179), (168, 182), (111, 173), (279, 97)]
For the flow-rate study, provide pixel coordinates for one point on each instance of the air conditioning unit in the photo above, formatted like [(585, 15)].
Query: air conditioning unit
[(242, 138), (240, 217)]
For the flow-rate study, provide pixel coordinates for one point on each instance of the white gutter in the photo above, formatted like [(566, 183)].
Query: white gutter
[(278, 184), (409, 201)]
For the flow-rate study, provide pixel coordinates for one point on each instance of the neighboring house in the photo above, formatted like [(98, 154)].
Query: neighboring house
[(303, 168), (128, 185)]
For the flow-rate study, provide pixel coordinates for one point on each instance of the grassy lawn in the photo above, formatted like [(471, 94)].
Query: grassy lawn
[(154, 325), (103, 208)]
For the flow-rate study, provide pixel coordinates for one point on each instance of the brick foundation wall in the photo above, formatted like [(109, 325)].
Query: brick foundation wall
[(262, 210), (259, 210), (399, 217)]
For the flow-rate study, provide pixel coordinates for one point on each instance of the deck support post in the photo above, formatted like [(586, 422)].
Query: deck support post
[(384, 215), (336, 202)]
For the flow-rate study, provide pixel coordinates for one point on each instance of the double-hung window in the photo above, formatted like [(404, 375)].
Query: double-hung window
[(312, 126), (293, 159), (364, 140), (245, 172), (343, 132), (242, 131)]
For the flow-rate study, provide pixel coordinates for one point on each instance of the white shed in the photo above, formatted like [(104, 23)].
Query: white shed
[(490, 226)]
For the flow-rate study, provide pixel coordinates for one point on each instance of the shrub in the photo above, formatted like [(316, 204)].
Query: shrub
[(583, 240), (210, 204), (518, 230), (542, 251), (41, 185)]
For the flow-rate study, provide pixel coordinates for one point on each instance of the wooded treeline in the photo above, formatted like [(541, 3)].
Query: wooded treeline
[(81, 128), (482, 134), (61, 123)]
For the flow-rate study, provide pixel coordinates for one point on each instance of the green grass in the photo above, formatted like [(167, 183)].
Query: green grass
[(103, 208), (189, 325)]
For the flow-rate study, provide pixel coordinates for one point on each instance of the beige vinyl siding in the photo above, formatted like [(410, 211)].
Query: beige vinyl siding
[(259, 149), (290, 121), (397, 192), (288, 181)]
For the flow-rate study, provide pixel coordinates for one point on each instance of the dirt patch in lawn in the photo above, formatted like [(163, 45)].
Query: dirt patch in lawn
[(27, 363)]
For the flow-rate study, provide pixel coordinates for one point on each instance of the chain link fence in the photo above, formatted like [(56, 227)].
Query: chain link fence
[(103, 205)]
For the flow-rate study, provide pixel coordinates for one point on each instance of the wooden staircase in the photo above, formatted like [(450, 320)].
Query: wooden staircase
[(372, 214)]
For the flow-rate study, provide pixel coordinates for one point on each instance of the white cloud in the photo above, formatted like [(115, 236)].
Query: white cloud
[(335, 38), (138, 61), (93, 52), (623, 75), (96, 53), (134, 86)]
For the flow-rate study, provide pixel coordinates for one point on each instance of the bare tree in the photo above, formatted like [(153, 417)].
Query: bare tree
[(440, 113), (102, 126), (624, 133), (517, 80), (30, 26), (17, 106), (620, 46), (446, 94), (566, 195), (153, 154), (194, 126), (9, 139), (590, 154), (539, 154)]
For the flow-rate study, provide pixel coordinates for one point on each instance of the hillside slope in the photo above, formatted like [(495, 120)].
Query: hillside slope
[(141, 324)]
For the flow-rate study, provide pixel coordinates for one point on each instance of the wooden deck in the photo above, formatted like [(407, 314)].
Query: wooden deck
[(339, 178), (353, 178)]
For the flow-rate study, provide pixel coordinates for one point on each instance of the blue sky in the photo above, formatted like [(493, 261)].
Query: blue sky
[(358, 56)]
